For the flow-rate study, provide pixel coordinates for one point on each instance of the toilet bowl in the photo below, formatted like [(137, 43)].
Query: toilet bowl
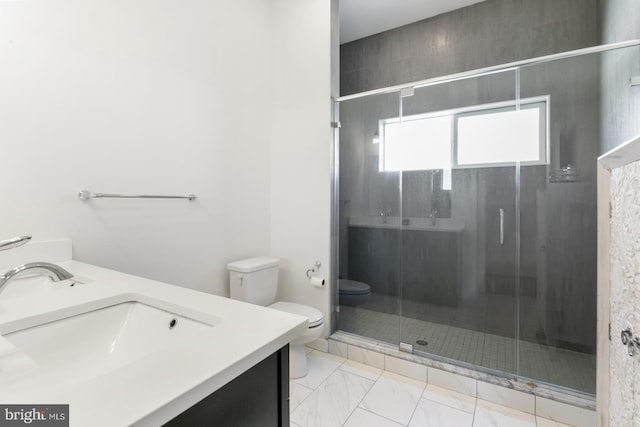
[(255, 280), (297, 355), (352, 292)]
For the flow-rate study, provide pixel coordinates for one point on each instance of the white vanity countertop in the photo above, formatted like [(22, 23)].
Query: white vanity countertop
[(155, 388), (408, 223)]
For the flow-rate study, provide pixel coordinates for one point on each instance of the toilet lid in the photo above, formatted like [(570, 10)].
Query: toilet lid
[(353, 287), (315, 316)]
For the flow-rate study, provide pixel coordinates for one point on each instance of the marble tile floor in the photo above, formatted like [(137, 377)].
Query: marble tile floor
[(341, 392), (541, 363)]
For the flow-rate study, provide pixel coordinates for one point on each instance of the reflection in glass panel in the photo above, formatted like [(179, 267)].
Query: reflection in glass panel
[(416, 143), (502, 137), (559, 229), (369, 208)]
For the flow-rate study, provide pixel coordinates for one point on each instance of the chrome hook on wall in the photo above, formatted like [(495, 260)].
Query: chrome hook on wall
[(313, 270)]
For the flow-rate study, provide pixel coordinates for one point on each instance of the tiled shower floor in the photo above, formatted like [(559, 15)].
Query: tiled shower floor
[(538, 362)]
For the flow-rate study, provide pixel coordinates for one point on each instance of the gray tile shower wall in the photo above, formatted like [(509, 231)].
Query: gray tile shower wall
[(487, 33), (620, 107)]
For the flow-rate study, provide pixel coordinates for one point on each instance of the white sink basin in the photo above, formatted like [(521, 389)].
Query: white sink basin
[(93, 343)]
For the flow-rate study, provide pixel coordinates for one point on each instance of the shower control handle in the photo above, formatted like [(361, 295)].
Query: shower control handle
[(627, 338), (501, 211)]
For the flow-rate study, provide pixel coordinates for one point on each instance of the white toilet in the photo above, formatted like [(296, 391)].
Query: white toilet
[(255, 280)]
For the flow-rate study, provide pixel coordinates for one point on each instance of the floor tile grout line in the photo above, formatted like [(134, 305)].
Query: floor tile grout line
[(362, 399), (319, 385), (475, 409), (300, 403), (449, 406), (372, 413), (361, 376), (417, 404)]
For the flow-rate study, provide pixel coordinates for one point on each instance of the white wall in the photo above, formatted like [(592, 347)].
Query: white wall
[(301, 147), (227, 99), (144, 96)]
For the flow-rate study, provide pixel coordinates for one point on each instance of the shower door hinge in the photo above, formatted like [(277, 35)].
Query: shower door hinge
[(407, 91), (406, 347), (336, 125)]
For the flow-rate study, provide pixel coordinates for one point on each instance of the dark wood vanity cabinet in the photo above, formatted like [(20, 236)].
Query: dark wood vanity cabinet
[(426, 264), (258, 397)]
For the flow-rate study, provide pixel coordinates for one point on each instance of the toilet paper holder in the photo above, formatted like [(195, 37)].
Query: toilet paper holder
[(314, 269)]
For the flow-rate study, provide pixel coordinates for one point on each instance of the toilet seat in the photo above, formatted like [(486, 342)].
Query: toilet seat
[(314, 316), (353, 287)]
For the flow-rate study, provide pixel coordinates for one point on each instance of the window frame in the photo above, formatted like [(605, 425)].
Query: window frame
[(540, 102), (422, 116)]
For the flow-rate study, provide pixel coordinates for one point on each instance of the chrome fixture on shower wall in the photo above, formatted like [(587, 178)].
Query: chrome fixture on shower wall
[(568, 173)]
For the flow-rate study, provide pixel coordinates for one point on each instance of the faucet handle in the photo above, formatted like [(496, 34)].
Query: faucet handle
[(630, 341), (14, 242)]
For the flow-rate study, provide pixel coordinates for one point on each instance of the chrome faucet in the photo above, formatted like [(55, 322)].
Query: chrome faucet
[(385, 215), (432, 216), (14, 242), (54, 272)]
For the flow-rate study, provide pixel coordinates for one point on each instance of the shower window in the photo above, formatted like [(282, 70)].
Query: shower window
[(419, 142), (488, 135)]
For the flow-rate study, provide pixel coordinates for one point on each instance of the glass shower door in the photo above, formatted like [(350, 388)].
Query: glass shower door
[(369, 223), (459, 241), (468, 215), (559, 226)]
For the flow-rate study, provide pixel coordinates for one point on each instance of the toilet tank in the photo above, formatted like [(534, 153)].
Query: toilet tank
[(254, 280)]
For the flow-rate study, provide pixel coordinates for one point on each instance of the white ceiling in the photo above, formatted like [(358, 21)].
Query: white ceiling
[(362, 18)]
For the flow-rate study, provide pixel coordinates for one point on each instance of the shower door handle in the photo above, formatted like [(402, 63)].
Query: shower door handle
[(501, 211)]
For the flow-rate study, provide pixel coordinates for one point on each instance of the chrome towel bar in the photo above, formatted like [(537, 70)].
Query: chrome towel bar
[(85, 195)]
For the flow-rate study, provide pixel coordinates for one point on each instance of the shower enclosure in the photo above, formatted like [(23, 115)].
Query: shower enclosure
[(467, 205)]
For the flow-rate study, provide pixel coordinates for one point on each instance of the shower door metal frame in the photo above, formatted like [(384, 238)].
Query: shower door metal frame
[(491, 70)]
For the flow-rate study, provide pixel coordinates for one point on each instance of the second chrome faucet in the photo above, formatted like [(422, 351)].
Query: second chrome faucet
[(54, 272), (14, 242)]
